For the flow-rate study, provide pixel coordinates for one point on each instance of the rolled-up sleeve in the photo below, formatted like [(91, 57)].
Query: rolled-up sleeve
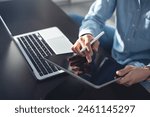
[(99, 12), (148, 65)]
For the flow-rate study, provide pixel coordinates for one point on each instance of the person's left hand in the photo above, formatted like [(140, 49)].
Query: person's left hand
[(132, 75)]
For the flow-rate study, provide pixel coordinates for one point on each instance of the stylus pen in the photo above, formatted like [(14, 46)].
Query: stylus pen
[(94, 40)]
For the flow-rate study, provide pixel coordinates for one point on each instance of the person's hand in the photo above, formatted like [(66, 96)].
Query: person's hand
[(84, 42), (132, 75)]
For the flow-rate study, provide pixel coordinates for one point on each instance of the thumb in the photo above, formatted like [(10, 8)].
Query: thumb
[(95, 46), (124, 71)]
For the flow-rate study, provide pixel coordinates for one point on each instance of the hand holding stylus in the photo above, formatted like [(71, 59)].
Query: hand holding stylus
[(88, 44)]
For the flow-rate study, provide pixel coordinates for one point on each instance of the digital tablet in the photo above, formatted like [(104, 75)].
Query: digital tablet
[(99, 73)]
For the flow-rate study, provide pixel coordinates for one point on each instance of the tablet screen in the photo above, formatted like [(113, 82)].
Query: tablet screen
[(100, 72)]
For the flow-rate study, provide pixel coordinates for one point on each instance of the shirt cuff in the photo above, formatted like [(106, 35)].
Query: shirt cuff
[(148, 65), (137, 64), (85, 31)]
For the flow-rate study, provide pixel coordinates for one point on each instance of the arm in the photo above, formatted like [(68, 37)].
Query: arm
[(92, 25), (100, 11)]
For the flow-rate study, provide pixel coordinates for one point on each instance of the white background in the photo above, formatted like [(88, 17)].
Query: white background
[(7, 108)]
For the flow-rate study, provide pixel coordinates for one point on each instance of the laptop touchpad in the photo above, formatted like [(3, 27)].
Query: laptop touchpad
[(58, 42)]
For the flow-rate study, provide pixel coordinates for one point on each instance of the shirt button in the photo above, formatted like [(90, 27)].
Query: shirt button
[(128, 39)]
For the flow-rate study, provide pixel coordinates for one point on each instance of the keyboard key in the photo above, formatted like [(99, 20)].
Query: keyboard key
[(37, 48), (31, 58)]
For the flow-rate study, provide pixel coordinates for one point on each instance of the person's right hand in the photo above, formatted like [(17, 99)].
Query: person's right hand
[(84, 42)]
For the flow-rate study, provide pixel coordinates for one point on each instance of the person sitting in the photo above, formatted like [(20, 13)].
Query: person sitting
[(129, 42)]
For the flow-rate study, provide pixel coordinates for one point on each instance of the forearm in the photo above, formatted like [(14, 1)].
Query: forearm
[(94, 21), (148, 71)]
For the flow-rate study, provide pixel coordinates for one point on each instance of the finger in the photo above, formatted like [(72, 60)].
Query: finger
[(85, 41), (89, 51), (118, 79), (125, 84), (88, 45), (125, 80), (82, 41), (95, 46), (88, 57), (124, 71), (76, 48)]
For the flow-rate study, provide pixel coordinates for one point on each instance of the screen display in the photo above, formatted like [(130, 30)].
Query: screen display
[(100, 72)]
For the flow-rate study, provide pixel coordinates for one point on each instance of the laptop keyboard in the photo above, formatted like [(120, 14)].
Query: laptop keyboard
[(37, 48)]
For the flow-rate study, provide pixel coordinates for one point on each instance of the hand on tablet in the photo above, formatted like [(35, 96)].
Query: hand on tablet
[(84, 42), (132, 74)]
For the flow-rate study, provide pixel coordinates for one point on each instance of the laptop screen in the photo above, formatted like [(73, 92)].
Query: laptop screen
[(100, 72)]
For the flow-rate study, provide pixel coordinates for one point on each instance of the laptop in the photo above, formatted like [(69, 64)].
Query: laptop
[(39, 44), (101, 72)]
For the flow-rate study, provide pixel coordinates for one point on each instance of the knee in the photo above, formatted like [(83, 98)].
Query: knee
[(76, 18)]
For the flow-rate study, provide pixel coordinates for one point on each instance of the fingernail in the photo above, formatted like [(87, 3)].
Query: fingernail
[(117, 72), (96, 49), (89, 60)]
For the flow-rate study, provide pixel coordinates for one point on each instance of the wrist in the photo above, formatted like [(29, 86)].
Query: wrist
[(86, 34), (148, 71)]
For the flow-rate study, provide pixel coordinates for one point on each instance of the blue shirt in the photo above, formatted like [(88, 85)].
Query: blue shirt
[(132, 35)]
